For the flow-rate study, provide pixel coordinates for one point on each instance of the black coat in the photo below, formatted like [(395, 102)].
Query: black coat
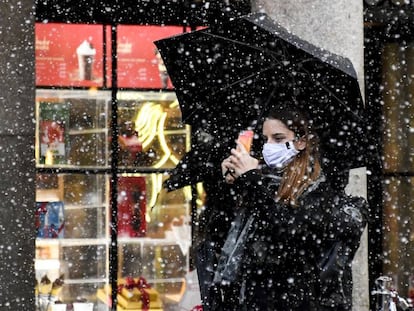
[(214, 223), (275, 265)]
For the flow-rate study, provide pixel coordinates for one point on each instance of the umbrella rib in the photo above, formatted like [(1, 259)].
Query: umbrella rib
[(334, 96), (277, 62), (232, 84), (245, 78), (243, 44), (268, 51)]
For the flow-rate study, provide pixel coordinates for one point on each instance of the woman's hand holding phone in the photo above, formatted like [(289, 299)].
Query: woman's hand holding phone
[(246, 139), (240, 160)]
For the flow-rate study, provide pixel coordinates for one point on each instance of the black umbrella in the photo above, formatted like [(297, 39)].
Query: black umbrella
[(226, 76)]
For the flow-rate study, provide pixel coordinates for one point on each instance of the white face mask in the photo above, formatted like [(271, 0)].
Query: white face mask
[(279, 155)]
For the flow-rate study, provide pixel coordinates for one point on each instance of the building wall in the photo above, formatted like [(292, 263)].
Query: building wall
[(333, 25), (17, 188)]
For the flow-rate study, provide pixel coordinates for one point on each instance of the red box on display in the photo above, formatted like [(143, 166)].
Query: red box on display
[(69, 55), (131, 207)]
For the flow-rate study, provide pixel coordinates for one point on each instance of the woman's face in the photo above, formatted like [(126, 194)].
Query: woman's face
[(276, 132)]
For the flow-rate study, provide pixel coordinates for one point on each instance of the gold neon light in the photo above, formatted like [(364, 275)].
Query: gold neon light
[(187, 193), (163, 143), (156, 181), (174, 104), (146, 123), (150, 123)]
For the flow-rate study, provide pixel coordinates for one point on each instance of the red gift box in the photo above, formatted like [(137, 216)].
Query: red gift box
[(131, 207), (132, 294)]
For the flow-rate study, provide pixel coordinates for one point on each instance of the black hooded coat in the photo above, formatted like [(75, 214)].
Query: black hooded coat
[(279, 257)]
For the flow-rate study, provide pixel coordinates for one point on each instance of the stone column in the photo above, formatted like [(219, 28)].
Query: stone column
[(17, 174), (338, 27)]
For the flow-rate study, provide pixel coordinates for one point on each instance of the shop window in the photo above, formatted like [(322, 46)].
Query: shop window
[(74, 160)]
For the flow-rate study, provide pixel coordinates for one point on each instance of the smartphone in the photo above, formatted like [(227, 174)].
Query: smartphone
[(246, 139)]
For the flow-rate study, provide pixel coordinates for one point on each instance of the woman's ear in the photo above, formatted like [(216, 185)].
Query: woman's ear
[(301, 143)]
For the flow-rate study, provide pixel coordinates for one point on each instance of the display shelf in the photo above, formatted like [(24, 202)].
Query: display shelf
[(77, 207), (76, 171), (45, 264), (106, 281), (71, 242), (147, 241), (78, 242), (86, 132), (87, 281)]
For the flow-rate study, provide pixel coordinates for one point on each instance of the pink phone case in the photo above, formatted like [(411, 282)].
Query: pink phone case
[(246, 139)]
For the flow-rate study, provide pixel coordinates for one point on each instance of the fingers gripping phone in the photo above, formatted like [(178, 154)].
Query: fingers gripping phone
[(246, 139)]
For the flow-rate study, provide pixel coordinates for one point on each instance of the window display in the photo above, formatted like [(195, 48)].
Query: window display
[(75, 167), (151, 133), (73, 152)]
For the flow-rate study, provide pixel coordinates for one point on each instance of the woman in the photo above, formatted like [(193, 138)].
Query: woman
[(270, 258)]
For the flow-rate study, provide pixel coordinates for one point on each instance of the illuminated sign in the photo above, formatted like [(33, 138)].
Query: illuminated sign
[(69, 55), (139, 63)]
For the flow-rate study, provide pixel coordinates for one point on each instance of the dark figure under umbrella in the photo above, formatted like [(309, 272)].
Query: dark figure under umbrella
[(202, 163), (225, 76), (287, 222)]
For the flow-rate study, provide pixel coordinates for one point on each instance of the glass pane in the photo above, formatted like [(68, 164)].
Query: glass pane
[(81, 292), (85, 223), (84, 262), (160, 253), (158, 211), (84, 189), (72, 128), (78, 255)]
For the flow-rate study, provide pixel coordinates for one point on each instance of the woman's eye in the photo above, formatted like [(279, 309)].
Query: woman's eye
[(278, 138), (273, 139)]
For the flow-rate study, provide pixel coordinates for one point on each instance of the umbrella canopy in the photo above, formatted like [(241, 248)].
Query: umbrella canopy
[(227, 76)]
